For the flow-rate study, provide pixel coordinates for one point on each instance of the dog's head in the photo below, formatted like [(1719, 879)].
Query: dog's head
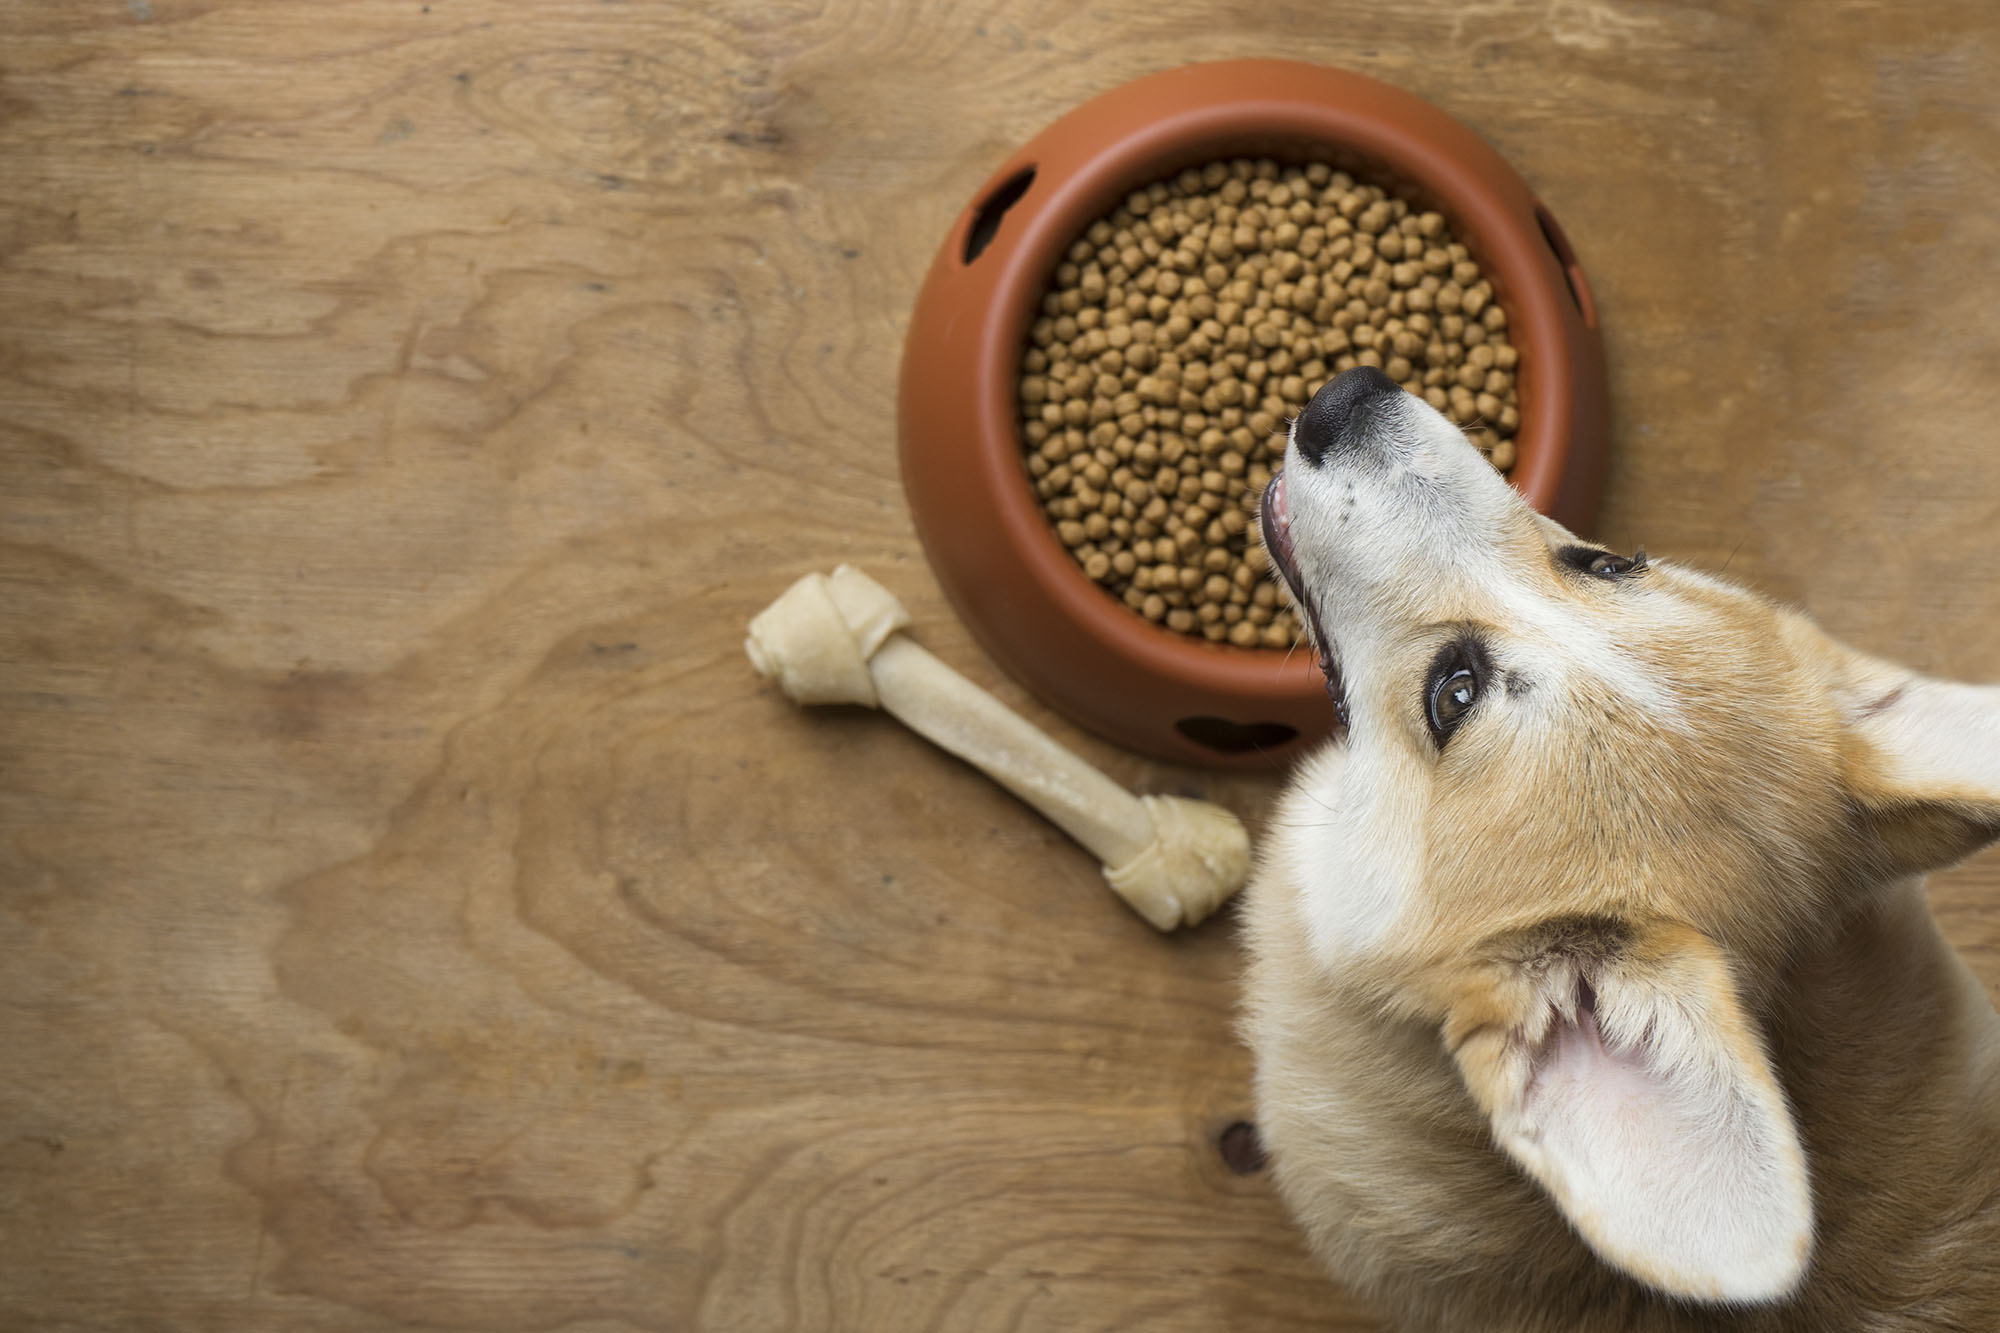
[(1585, 807)]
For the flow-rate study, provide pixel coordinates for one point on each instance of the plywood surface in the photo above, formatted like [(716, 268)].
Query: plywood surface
[(414, 914)]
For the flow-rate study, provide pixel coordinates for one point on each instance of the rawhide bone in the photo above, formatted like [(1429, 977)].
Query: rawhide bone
[(835, 639)]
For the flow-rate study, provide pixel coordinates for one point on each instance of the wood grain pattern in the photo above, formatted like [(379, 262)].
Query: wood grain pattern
[(415, 912)]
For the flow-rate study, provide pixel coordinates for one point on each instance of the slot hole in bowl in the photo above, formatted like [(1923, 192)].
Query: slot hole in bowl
[(986, 219), (1226, 737), (1579, 288)]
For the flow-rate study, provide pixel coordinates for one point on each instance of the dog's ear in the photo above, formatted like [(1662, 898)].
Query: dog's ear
[(1620, 1072), (1921, 759)]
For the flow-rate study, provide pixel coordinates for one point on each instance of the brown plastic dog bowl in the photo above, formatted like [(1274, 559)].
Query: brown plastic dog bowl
[(1000, 562)]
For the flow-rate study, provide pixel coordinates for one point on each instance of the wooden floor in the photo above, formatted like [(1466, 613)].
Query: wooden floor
[(413, 911)]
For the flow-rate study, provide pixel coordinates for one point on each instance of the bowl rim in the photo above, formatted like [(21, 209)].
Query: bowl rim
[(1407, 154)]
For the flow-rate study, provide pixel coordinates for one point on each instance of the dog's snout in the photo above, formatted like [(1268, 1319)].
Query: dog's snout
[(1329, 422)]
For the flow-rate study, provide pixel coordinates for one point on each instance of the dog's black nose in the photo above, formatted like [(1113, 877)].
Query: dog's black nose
[(1329, 422)]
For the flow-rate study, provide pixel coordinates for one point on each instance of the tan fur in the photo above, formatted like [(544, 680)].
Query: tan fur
[(1751, 849)]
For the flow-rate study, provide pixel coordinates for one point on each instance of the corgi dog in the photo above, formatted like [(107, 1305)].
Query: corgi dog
[(1591, 983)]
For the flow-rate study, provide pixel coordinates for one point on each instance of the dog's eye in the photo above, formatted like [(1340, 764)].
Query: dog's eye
[(1608, 566), (1603, 564), (1453, 690)]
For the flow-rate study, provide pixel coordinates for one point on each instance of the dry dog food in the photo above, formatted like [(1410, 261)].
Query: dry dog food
[(1183, 330)]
